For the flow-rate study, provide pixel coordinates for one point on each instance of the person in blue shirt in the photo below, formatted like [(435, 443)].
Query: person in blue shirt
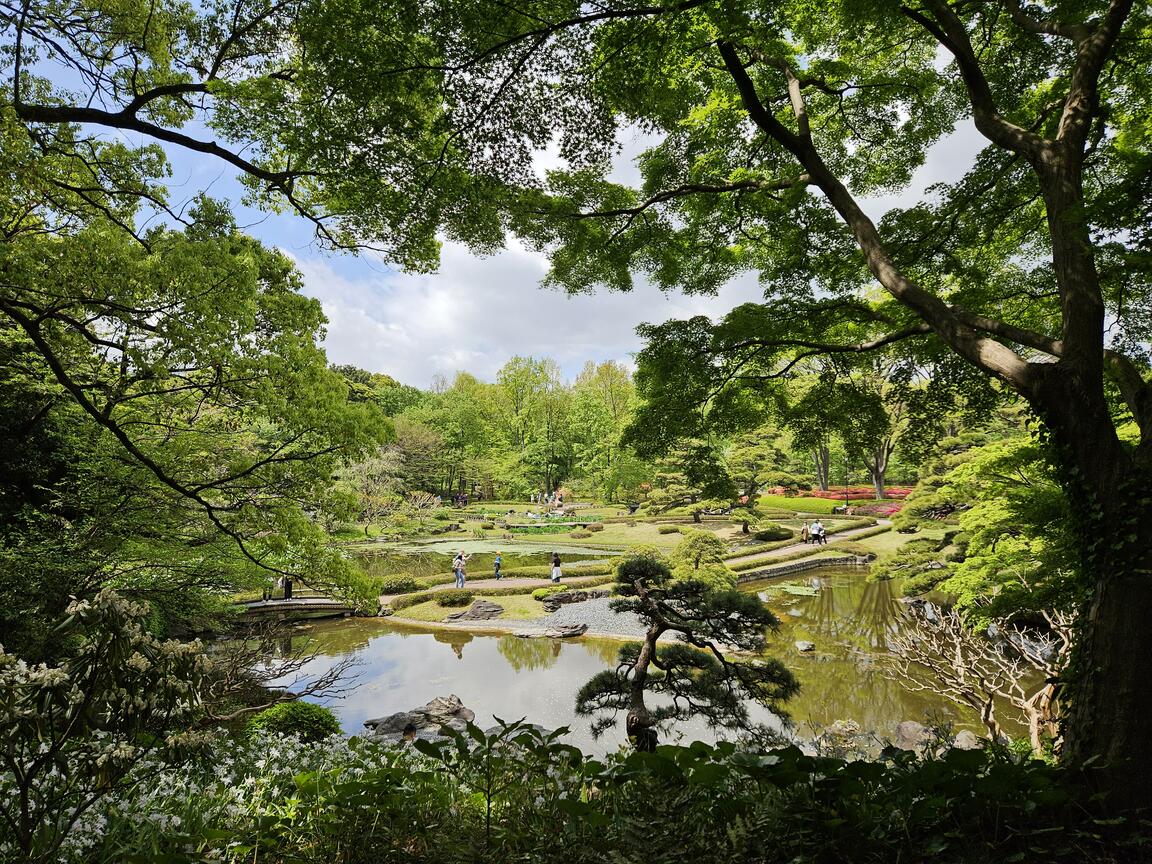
[(496, 566)]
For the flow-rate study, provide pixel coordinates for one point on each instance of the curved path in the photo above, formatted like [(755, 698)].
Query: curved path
[(529, 583), (782, 551)]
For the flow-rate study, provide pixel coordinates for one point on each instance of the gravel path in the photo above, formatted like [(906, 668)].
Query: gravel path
[(600, 619)]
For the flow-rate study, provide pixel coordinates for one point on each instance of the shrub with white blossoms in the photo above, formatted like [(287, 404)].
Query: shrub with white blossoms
[(73, 732)]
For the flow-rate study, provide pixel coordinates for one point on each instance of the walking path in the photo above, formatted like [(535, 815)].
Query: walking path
[(782, 551)]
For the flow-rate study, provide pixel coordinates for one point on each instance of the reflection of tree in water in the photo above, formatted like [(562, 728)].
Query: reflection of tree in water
[(605, 650), (851, 620), (876, 616), (524, 654), (456, 638)]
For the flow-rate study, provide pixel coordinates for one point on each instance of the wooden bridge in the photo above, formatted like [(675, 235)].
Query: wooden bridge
[(313, 606)]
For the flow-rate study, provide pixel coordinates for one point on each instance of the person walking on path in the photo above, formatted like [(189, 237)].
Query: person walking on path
[(496, 566), (458, 568), (818, 533), (805, 534), (556, 573)]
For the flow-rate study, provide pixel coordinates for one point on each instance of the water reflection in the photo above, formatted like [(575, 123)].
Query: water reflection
[(849, 619), (529, 653), (456, 638)]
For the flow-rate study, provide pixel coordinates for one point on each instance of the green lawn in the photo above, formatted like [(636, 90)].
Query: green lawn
[(890, 541), (517, 607)]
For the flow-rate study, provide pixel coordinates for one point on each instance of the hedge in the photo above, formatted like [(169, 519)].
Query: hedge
[(454, 597), (587, 581), (306, 721)]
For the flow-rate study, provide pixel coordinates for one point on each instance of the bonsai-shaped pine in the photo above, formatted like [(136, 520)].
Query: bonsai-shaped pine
[(692, 677)]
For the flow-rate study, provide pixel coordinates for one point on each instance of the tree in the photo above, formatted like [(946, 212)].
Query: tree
[(771, 128), (693, 672)]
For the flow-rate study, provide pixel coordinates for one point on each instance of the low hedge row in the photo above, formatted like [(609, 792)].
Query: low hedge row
[(542, 571), (775, 559), (871, 532), (406, 600)]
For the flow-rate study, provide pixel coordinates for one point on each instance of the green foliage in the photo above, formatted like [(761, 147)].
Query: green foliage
[(1016, 543), (520, 794), (541, 593), (770, 531), (405, 600), (304, 720), (595, 526), (396, 585), (669, 529), (453, 597)]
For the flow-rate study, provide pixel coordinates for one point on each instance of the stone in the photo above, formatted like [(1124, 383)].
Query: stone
[(554, 601), (424, 722), (557, 631), (911, 735), (804, 646), (796, 613), (966, 740), (480, 610)]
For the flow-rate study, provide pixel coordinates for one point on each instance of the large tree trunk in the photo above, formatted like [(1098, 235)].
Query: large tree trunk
[(1109, 682), (822, 460)]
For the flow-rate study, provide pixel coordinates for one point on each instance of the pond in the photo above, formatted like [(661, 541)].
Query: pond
[(849, 619)]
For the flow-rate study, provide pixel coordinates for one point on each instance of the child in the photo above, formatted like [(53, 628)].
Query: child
[(496, 566)]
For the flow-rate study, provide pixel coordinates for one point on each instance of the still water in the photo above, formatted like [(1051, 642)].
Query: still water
[(848, 618)]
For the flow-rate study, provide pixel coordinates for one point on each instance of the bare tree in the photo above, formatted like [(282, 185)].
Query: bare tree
[(939, 653), (264, 668)]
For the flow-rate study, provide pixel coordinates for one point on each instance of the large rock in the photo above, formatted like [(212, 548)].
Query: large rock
[(966, 740), (554, 601), (911, 735), (480, 610), (424, 722), (804, 646), (557, 631)]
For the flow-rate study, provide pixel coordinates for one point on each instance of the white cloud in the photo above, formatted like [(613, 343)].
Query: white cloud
[(474, 314)]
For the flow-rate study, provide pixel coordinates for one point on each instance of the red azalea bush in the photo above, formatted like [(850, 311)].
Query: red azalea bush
[(880, 508)]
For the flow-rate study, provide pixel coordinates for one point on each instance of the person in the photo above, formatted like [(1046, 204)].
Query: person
[(458, 568), (556, 574), (496, 566), (818, 533), (805, 534)]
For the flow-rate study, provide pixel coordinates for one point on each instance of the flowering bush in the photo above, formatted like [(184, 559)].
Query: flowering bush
[(73, 731)]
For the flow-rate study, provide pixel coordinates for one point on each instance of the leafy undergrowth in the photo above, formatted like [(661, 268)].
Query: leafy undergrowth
[(521, 795)]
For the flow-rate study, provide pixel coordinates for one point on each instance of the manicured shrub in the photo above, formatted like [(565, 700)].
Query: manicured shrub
[(397, 585), (669, 529), (771, 531), (304, 720), (406, 600), (596, 526), (580, 535), (453, 597), (487, 526), (541, 593)]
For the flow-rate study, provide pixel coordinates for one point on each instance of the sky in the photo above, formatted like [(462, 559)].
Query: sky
[(474, 314)]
